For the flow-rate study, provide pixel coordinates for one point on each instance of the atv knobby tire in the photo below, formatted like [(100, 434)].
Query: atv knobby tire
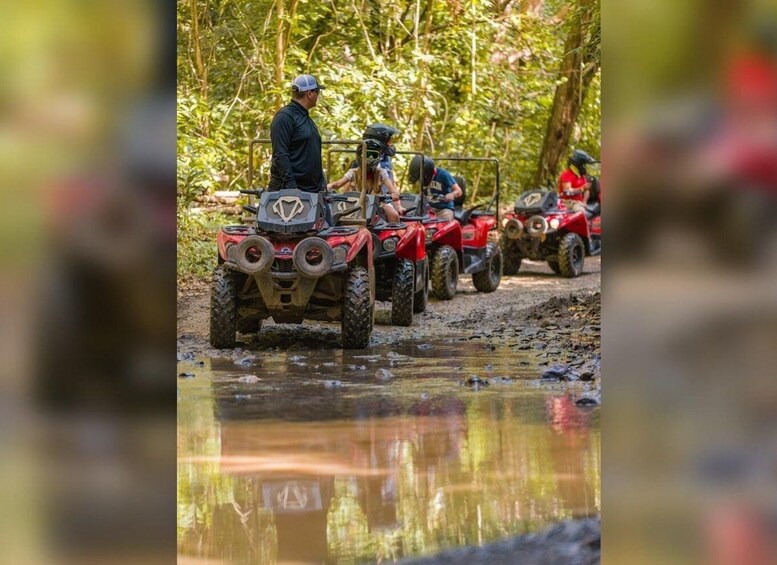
[(421, 298), (571, 255), (554, 267), (489, 278), (357, 309), (402, 292), (511, 257), (223, 308), (445, 273)]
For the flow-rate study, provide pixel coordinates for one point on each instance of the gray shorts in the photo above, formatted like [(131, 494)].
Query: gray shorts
[(443, 213)]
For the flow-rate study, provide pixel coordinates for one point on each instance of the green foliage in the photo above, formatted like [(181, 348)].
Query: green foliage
[(382, 62)]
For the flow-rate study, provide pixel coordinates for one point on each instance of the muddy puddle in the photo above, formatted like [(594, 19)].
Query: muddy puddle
[(328, 456)]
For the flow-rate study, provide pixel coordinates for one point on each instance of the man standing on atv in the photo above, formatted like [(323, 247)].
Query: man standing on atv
[(378, 180), (296, 143), (443, 187), (573, 185)]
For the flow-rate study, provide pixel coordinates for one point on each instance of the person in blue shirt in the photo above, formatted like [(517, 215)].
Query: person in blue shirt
[(439, 182)]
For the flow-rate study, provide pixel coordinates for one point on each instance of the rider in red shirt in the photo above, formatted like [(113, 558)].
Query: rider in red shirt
[(572, 183)]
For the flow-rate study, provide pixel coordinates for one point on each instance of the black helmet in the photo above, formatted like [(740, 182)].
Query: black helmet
[(374, 153), (415, 170), (382, 133), (580, 159)]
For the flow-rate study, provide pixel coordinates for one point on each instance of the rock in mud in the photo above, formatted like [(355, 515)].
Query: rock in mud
[(523, 347), (489, 367), (587, 401), (248, 379), (185, 356), (500, 380), (555, 372), (573, 542), (476, 382), (185, 375), (394, 356), (245, 361), (424, 346), (333, 384), (384, 375), (587, 376), (296, 358)]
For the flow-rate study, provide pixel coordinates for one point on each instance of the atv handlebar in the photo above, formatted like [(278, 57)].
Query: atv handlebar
[(338, 215), (252, 192)]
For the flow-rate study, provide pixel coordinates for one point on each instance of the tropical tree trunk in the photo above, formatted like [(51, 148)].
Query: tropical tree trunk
[(280, 50), (578, 67)]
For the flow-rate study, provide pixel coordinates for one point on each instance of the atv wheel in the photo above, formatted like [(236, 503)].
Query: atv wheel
[(421, 297), (445, 273), (223, 308), (554, 267), (511, 257), (489, 278), (357, 309), (402, 293), (571, 255)]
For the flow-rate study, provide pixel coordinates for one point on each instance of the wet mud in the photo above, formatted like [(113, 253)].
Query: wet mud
[(478, 423)]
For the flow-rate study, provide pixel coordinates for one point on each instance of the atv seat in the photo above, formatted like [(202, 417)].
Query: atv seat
[(463, 216)]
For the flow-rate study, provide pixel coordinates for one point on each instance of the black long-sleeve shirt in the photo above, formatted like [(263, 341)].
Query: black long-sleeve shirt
[(296, 151)]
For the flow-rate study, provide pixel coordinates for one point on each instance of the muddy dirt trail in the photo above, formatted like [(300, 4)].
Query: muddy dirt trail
[(493, 316)]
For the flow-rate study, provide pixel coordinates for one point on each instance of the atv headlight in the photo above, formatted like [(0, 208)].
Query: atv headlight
[(430, 234), (554, 223), (390, 244), (504, 221), (340, 253)]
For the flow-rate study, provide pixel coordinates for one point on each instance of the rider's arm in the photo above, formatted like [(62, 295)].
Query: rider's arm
[(281, 132), (454, 193), (346, 180), (392, 189)]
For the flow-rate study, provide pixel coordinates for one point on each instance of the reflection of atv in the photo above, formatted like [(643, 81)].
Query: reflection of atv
[(542, 230), (291, 266), (401, 269), (460, 246)]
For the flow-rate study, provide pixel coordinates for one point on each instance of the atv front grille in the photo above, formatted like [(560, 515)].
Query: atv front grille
[(282, 266)]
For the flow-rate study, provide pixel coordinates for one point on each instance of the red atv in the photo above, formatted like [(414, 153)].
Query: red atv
[(460, 246), (400, 258), (541, 229), (291, 266)]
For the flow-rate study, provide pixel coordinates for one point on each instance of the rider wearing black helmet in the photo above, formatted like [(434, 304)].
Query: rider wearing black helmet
[(383, 134), (378, 180), (573, 185), (440, 182)]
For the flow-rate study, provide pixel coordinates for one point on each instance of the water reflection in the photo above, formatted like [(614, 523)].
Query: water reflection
[(369, 473)]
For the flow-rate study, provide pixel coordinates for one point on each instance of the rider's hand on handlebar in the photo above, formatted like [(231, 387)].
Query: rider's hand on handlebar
[(449, 197)]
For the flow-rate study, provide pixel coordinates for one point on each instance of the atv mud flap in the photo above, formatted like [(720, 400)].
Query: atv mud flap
[(286, 296), (474, 259), (420, 271)]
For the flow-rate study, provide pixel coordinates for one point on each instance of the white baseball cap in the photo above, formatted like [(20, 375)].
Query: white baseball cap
[(303, 83)]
